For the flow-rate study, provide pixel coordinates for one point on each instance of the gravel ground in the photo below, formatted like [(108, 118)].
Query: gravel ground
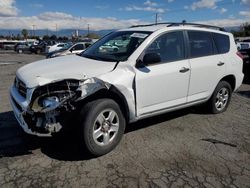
[(186, 148)]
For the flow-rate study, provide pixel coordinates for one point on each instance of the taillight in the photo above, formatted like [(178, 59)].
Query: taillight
[(240, 55)]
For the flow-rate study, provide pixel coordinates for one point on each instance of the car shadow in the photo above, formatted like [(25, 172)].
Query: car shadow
[(144, 123), (15, 142), (246, 79), (244, 93), (65, 146)]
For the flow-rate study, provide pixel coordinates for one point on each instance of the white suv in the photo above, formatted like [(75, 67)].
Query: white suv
[(154, 70)]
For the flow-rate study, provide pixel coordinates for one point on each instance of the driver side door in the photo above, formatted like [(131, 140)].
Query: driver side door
[(163, 85)]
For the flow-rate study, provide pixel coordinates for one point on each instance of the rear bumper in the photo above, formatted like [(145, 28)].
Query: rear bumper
[(20, 106)]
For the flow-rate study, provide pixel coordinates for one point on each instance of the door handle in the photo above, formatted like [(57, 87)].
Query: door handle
[(220, 63), (184, 69)]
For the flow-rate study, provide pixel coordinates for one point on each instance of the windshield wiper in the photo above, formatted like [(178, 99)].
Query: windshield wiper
[(116, 64)]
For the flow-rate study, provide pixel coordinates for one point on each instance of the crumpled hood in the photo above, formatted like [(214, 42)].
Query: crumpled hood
[(66, 67)]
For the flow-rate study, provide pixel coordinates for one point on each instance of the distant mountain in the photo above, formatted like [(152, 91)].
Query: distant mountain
[(42, 32)]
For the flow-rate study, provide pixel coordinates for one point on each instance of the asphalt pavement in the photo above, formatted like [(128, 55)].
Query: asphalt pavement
[(186, 148)]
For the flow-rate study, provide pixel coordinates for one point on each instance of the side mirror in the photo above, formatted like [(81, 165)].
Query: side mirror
[(72, 49), (151, 58)]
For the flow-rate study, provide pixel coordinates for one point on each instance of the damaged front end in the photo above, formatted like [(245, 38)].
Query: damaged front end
[(47, 107)]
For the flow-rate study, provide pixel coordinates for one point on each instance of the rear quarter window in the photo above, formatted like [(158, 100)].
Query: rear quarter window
[(222, 43)]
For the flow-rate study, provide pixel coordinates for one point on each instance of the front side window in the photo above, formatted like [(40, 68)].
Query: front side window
[(169, 46), (200, 44), (116, 46)]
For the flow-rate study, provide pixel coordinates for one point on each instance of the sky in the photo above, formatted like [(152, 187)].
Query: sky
[(116, 14)]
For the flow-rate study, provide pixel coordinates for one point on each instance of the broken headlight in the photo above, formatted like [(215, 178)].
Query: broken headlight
[(50, 102), (54, 95)]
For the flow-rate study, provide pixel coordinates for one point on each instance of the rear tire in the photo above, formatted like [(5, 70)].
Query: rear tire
[(102, 126), (221, 98)]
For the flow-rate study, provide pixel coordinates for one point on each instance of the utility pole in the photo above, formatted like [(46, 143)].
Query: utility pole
[(79, 26), (56, 29), (156, 18), (33, 29), (88, 29)]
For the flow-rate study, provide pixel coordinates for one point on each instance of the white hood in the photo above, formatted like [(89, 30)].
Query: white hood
[(67, 67)]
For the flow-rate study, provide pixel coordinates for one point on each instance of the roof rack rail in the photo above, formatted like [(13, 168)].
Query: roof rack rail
[(197, 25), (171, 24), (146, 25)]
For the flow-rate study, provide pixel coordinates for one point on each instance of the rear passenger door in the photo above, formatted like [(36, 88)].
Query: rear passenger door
[(207, 65)]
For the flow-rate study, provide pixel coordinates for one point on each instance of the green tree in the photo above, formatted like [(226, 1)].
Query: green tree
[(45, 37), (244, 30), (53, 37), (18, 37), (25, 33)]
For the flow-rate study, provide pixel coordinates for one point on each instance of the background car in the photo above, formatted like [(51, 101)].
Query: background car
[(246, 61), (9, 45), (243, 45), (74, 49), (56, 47), (41, 46), (22, 47)]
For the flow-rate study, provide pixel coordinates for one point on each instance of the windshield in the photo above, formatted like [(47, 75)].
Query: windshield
[(116, 46)]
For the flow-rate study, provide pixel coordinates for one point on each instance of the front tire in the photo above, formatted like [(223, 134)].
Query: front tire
[(103, 125), (221, 98)]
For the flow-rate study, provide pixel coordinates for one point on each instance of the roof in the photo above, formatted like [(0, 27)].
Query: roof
[(155, 27), (144, 28)]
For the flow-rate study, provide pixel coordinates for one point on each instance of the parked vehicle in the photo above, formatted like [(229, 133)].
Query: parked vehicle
[(109, 48), (1, 45), (22, 47), (243, 45), (9, 45), (69, 50), (38, 48), (246, 61), (56, 47), (41, 46), (163, 68)]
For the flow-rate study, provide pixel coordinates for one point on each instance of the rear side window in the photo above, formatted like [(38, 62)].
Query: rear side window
[(201, 44), (222, 43)]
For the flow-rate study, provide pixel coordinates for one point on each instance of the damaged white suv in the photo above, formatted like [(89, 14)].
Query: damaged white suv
[(152, 70)]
